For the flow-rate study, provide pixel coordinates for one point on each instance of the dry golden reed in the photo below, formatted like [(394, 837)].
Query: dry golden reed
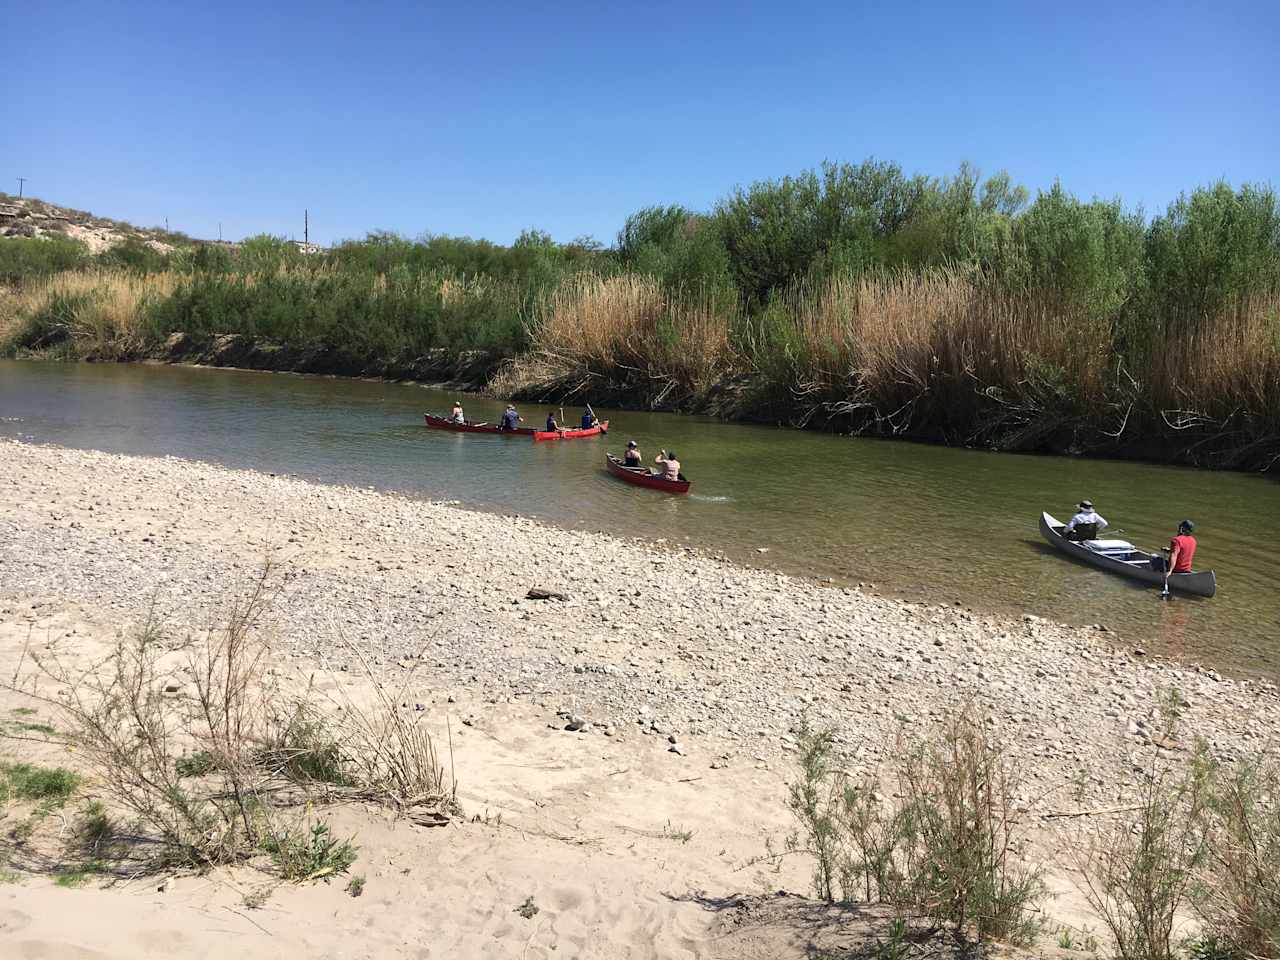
[(105, 309), (633, 322)]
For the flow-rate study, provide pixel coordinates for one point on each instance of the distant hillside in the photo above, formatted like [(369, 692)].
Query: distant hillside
[(31, 217)]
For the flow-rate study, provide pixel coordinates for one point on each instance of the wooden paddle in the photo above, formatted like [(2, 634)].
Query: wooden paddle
[(603, 429)]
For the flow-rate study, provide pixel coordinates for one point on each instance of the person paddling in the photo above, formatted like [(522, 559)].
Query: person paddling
[(589, 419), (670, 465), (1181, 550), (552, 426), (457, 415), (1086, 524), (510, 419), (632, 457)]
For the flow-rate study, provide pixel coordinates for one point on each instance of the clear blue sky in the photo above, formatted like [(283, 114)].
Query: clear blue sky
[(484, 118)]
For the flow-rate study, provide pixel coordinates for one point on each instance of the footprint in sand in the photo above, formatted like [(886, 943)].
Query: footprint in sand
[(11, 921)]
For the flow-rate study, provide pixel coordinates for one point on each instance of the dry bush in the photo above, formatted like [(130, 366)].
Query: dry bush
[(938, 350), (947, 848), (1237, 889), (1136, 870), (135, 733), (205, 773), (633, 323), (387, 754), (1228, 366)]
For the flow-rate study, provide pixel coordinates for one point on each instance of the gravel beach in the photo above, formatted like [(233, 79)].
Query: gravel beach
[(652, 639)]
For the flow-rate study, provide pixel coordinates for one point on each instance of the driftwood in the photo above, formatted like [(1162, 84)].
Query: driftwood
[(1096, 812), (539, 593)]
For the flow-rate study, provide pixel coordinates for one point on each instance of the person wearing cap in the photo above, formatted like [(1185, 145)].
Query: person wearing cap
[(589, 419), (457, 416), (632, 457), (670, 465), (1181, 550), (510, 419), (1086, 516)]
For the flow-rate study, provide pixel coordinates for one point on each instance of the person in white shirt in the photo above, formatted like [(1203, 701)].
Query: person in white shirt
[(1086, 516)]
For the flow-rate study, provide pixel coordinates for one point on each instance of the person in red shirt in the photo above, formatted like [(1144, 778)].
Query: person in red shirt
[(1181, 550)]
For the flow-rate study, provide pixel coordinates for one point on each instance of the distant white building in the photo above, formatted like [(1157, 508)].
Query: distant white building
[(303, 247)]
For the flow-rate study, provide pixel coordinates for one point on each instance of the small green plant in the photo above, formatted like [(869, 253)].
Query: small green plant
[(198, 764), (528, 909), (1065, 940), (684, 836), (49, 786), (898, 945), (94, 830), (1207, 946), (313, 854), (355, 886), (306, 750), (76, 876)]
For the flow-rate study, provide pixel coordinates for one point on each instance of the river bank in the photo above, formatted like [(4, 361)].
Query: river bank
[(689, 678), (703, 646)]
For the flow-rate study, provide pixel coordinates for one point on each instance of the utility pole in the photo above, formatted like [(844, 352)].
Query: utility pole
[(306, 228), (219, 231), (166, 224), (21, 183)]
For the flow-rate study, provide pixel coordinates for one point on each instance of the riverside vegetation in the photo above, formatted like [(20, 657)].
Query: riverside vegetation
[(853, 297), (951, 846)]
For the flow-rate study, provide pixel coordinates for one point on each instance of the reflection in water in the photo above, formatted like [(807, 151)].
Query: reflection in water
[(925, 522)]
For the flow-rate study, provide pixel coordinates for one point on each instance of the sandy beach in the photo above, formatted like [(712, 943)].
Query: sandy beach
[(688, 679)]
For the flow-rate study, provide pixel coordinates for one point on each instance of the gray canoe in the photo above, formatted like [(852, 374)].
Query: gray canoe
[(1122, 557)]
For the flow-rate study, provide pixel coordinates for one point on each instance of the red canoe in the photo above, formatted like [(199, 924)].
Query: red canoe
[(443, 423), (643, 478), (571, 434)]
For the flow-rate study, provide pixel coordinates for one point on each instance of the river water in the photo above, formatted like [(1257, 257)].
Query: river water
[(917, 521)]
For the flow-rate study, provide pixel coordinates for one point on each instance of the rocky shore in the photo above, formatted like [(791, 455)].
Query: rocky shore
[(719, 664)]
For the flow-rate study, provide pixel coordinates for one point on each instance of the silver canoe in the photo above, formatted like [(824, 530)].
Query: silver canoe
[(1122, 557)]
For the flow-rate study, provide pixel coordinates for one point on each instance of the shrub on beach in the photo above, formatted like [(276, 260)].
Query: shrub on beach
[(202, 770)]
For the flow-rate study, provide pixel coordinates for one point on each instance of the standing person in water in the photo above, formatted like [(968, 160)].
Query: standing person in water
[(510, 419), (457, 416), (670, 465)]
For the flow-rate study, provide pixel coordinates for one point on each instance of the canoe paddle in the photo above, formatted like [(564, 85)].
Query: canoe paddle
[(595, 418)]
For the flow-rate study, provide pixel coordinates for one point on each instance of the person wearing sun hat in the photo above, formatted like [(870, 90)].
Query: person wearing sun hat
[(1087, 518)]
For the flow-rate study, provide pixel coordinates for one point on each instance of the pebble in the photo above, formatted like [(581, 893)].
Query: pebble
[(737, 654)]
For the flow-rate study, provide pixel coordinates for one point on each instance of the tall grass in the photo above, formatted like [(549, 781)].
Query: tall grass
[(853, 296), (102, 313), (632, 328)]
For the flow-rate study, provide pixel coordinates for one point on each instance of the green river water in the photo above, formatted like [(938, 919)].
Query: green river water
[(918, 521)]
